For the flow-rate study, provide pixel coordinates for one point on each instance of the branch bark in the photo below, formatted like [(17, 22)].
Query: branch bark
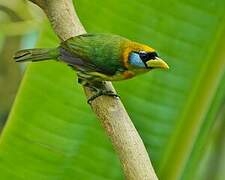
[(110, 111)]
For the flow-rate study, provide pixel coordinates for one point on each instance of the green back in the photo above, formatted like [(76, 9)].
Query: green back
[(100, 50)]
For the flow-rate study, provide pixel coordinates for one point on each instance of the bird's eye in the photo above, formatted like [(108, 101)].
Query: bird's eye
[(144, 56), (147, 55), (153, 55)]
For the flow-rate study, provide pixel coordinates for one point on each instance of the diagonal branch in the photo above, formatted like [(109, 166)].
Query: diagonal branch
[(110, 111)]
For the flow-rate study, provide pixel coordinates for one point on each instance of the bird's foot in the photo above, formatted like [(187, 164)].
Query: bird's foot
[(97, 87), (100, 93)]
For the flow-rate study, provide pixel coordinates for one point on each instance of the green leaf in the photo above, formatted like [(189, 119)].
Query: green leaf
[(208, 143), (52, 133)]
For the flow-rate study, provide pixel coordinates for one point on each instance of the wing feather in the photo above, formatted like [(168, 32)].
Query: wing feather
[(93, 52)]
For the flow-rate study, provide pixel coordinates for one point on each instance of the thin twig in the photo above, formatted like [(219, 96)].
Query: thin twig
[(110, 111)]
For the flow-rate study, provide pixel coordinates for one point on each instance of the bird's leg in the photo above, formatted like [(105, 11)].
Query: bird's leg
[(97, 87), (88, 84)]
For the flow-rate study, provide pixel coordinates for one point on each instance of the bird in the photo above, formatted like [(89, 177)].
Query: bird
[(99, 57)]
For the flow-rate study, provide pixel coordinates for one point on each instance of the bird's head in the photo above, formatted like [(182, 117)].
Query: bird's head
[(141, 56)]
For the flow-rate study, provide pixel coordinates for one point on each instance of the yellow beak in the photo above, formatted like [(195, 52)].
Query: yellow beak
[(157, 63)]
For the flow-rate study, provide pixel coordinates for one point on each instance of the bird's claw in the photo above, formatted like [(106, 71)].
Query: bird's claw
[(100, 93)]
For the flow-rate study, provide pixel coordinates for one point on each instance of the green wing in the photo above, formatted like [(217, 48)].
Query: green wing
[(99, 52)]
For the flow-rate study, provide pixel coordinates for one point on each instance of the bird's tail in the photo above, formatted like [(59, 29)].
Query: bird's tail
[(40, 54)]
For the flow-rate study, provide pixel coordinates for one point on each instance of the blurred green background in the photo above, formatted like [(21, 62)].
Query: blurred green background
[(51, 132)]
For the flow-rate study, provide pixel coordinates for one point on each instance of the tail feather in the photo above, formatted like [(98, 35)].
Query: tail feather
[(36, 54)]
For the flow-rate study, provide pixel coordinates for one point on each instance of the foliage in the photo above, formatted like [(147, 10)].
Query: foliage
[(52, 133)]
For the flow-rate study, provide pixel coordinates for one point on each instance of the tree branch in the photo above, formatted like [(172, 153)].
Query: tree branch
[(110, 111)]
